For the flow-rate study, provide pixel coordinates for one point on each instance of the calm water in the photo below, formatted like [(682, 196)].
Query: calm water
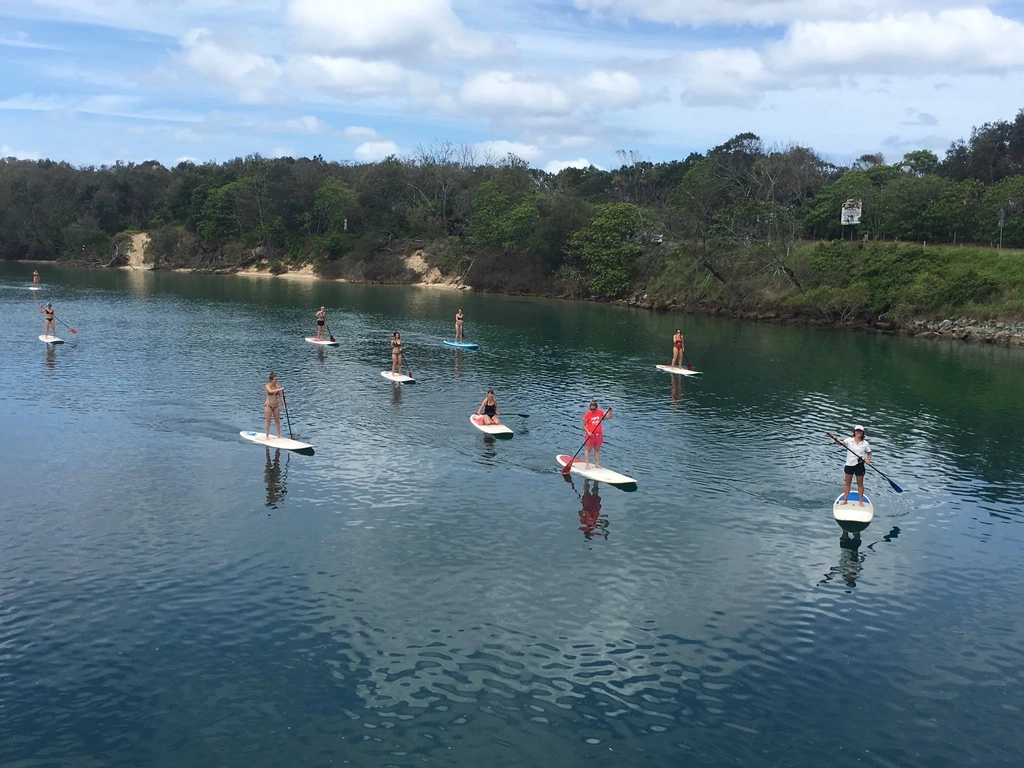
[(417, 594)]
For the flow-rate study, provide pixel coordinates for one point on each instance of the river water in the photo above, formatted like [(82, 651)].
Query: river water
[(418, 594)]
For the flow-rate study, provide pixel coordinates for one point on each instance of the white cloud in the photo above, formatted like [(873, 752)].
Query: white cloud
[(611, 90), (186, 159), (307, 125), (353, 78), (760, 12), (821, 53), (501, 148), (555, 166), (21, 40), (249, 75), (32, 103), (359, 132), (281, 152), (6, 151), (371, 151), (395, 29), (502, 91)]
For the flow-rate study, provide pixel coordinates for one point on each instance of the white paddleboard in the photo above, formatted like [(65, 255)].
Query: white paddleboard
[(51, 339), (35, 287), (397, 377), (277, 442), (462, 344), (851, 516), (600, 474), (680, 371), (491, 429), (321, 342)]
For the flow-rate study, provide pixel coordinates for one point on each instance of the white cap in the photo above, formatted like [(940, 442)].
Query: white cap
[(858, 427)]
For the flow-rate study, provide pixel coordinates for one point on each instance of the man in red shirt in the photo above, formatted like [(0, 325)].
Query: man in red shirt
[(592, 420)]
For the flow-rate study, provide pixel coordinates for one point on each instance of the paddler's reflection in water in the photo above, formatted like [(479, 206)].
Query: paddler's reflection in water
[(851, 560), (321, 352), (490, 452), (677, 390), (458, 363), (591, 522), (396, 394), (276, 489), (51, 355)]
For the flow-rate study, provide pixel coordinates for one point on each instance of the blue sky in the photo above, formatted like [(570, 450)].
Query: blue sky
[(558, 82)]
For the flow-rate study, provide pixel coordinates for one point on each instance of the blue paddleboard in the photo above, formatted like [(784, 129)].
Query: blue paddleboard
[(462, 344)]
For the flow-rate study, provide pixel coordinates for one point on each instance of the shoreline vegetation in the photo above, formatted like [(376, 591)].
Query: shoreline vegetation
[(742, 230)]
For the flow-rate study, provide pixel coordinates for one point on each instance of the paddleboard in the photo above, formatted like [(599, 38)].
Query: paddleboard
[(461, 344), (680, 371), (51, 339), (35, 287), (851, 516), (600, 474), (499, 430), (277, 442), (397, 377), (321, 342)]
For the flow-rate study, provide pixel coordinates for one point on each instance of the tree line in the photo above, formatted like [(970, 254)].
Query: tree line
[(729, 216)]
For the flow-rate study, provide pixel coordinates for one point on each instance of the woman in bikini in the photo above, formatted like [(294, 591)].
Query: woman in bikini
[(459, 335), (35, 277), (321, 321), (272, 407), (677, 349), (396, 353), (489, 409), (48, 315)]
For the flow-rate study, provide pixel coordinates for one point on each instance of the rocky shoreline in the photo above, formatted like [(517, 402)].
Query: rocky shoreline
[(960, 329)]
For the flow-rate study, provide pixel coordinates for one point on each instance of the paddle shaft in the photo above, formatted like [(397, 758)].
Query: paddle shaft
[(328, 327), (689, 365), (287, 417), (840, 443), (568, 467)]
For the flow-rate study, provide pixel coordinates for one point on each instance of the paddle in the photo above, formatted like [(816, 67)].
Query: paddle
[(329, 334), (65, 324), (847, 448), (287, 416), (568, 467), (689, 367)]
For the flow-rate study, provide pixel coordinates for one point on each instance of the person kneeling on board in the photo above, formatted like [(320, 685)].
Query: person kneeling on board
[(858, 455), (489, 409), (592, 420)]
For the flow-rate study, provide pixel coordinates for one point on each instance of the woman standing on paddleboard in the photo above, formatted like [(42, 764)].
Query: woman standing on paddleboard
[(272, 407), (858, 455), (35, 277), (489, 409), (321, 321), (593, 418), (48, 315), (459, 335), (677, 349), (396, 353)]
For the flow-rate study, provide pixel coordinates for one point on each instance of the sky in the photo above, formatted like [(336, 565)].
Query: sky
[(557, 82)]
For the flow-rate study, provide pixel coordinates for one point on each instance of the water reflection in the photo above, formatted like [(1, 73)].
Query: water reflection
[(592, 524), (458, 363), (51, 356), (396, 393), (321, 352), (489, 455), (274, 478), (851, 559), (677, 390)]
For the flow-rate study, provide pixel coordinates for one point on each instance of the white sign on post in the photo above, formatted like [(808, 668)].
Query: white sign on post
[(851, 212)]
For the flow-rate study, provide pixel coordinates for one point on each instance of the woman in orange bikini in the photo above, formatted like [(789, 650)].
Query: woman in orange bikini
[(677, 349), (272, 407)]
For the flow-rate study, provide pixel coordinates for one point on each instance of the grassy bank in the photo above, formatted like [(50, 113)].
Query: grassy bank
[(841, 281)]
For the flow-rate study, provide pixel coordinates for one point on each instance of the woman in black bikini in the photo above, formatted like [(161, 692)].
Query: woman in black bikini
[(489, 409), (459, 335), (396, 353), (48, 315), (321, 321), (272, 406)]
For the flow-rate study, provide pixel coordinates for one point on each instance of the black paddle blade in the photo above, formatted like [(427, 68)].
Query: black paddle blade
[(895, 487), (332, 338)]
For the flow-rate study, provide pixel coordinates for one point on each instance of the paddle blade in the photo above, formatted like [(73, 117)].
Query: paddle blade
[(566, 469), (523, 415), (332, 337), (895, 487), (72, 330), (689, 366)]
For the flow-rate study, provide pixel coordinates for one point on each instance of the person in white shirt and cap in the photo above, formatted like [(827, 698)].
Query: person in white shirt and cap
[(858, 456)]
